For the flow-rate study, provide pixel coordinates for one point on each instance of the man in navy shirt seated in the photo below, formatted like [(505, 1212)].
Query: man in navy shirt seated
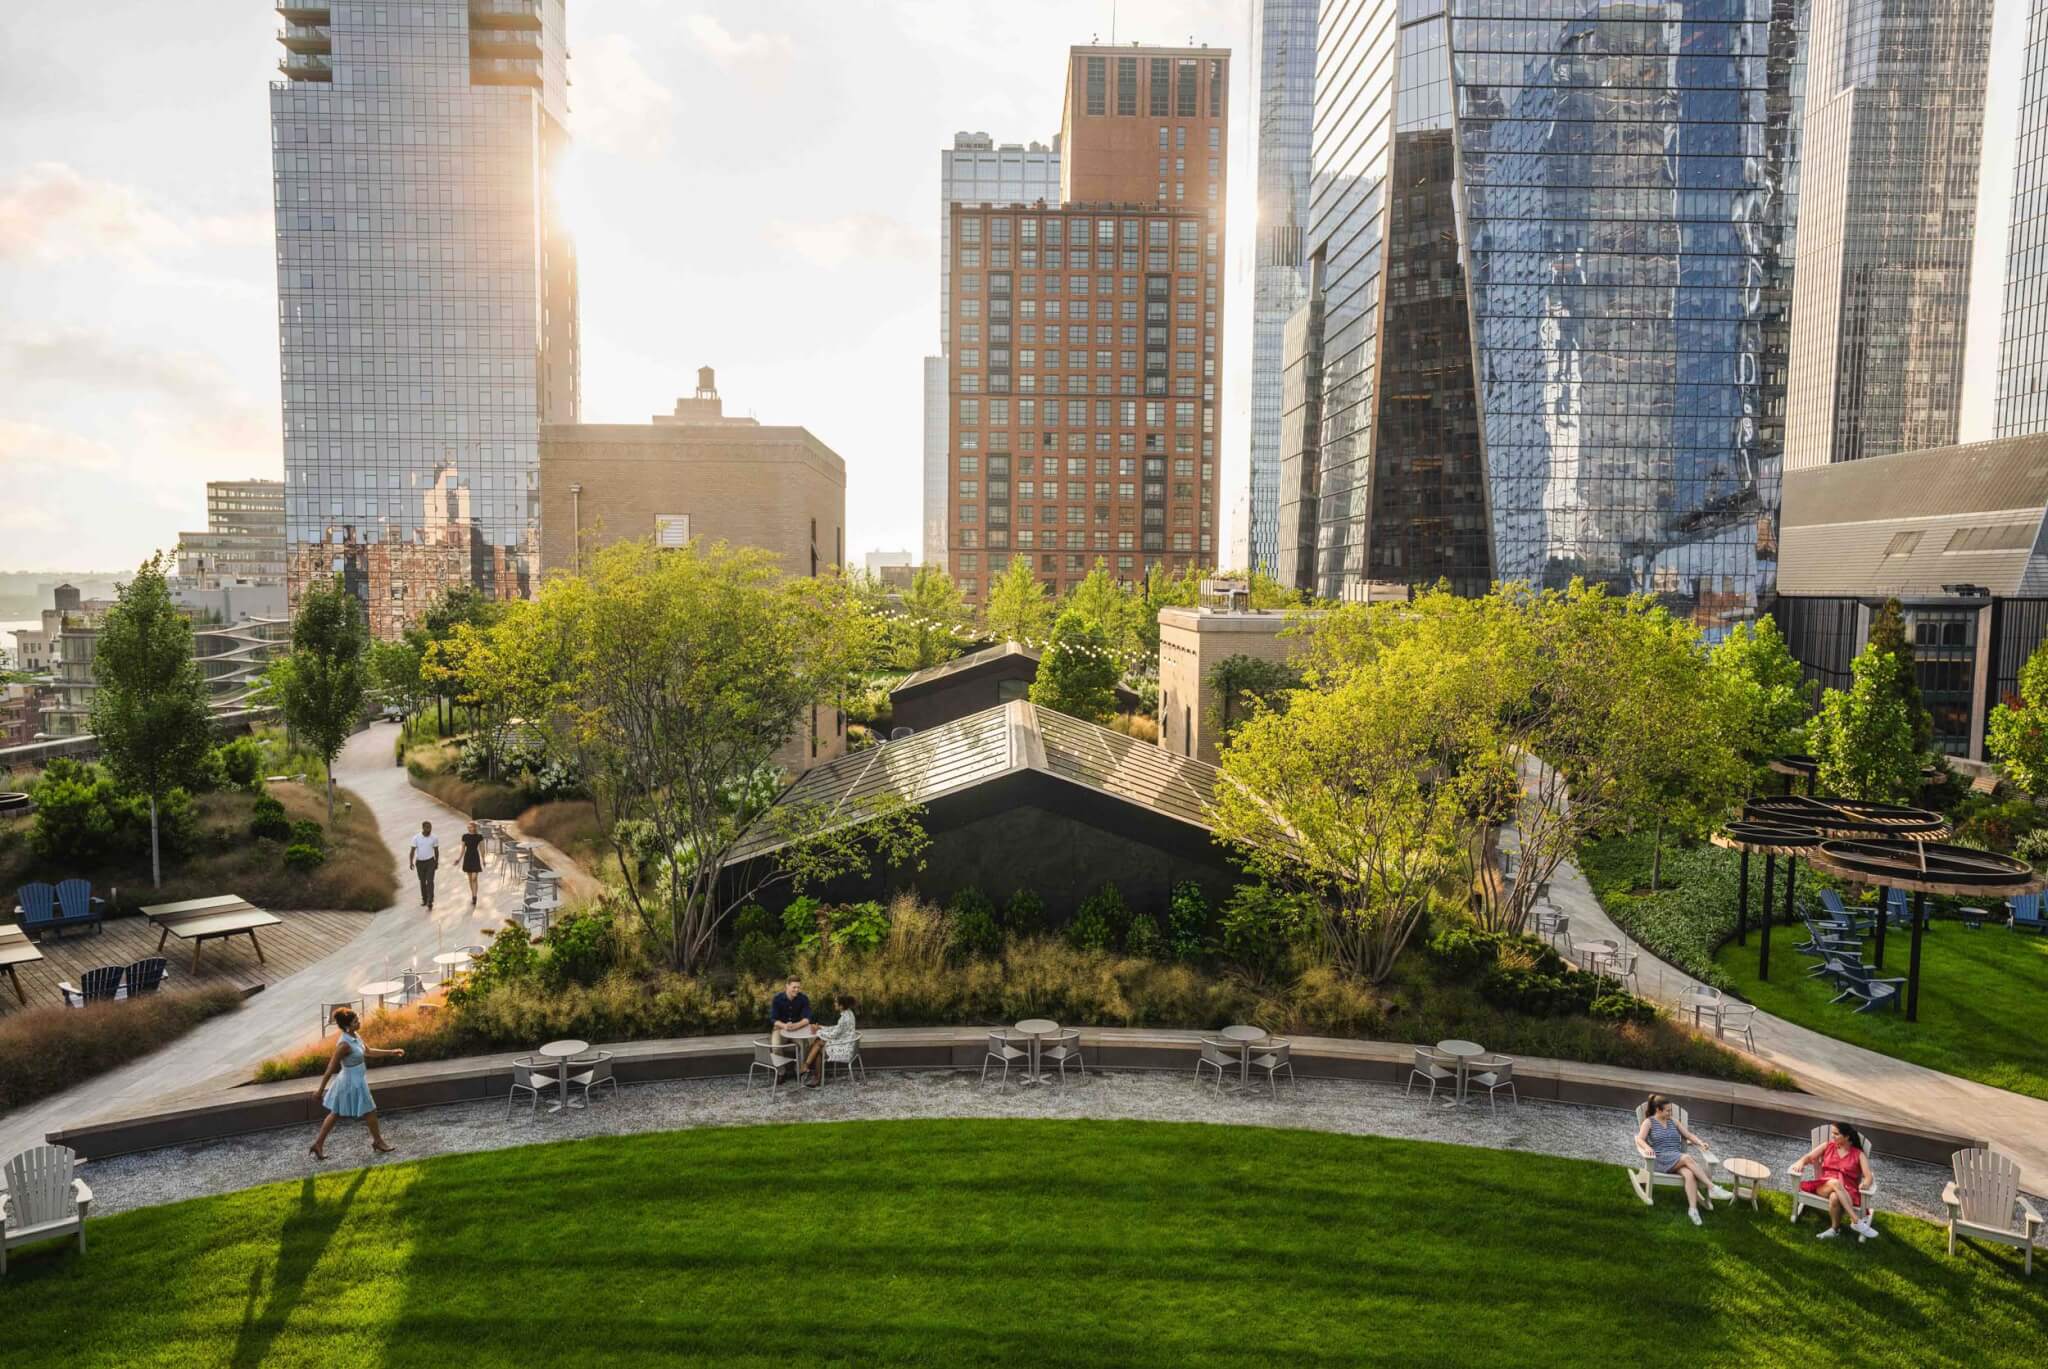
[(791, 1008)]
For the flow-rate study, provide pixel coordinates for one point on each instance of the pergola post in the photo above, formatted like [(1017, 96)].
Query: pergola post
[(1913, 966), (1763, 964), (1884, 898), (1764, 917), (1742, 903)]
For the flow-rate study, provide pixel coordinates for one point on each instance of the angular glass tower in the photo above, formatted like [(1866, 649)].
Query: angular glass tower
[(1892, 133), (1549, 255), (2023, 343), (1285, 60), (426, 292)]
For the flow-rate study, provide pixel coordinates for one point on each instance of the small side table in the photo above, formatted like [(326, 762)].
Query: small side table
[(1974, 918), (1747, 1178)]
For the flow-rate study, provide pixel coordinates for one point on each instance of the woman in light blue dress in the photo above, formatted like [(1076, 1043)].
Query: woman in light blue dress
[(344, 1092)]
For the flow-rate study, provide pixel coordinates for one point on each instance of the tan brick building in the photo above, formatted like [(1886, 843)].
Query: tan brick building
[(1086, 339), (1192, 642), (697, 473)]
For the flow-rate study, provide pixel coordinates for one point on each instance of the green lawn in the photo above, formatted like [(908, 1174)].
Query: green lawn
[(1005, 1242), (1981, 1001)]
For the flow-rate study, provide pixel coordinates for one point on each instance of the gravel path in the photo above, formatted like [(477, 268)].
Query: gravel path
[(1584, 1133)]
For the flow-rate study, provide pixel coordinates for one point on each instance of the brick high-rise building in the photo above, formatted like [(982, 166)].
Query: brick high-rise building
[(1085, 337)]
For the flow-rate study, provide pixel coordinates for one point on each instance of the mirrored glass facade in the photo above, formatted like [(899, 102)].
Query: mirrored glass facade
[(1551, 243), (1285, 34), (426, 292), (1891, 140), (2023, 344)]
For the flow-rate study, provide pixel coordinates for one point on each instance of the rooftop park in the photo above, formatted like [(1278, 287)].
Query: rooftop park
[(903, 1242)]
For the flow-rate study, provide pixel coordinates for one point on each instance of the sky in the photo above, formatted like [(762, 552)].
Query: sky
[(754, 188)]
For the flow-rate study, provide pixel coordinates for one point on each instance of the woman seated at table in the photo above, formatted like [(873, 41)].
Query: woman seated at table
[(1844, 1172), (1662, 1140), (832, 1043)]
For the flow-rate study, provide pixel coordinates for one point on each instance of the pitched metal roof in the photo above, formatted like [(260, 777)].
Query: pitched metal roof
[(1008, 739), (1910, 523), (961, 665)]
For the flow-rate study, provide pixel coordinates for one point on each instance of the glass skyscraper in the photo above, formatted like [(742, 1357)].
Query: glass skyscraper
[(1549, 263), (973, 171), (426, 292), (1890, 146), (1285, 60), (2023, 344)]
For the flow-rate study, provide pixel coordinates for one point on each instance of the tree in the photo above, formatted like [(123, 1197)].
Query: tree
[(1116, 611), (1888, 634), (482, 668), (932, 623), (2017, 736), (672, 678), (395, 669), (1865, 738), (1077, 674), (1018, 608), (452, 608), (1246, 685), (320, 686), (1763, 693), (149, 711)]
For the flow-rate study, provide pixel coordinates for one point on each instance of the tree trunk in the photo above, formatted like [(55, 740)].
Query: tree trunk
[(1657, 855), (330, 794), (156, 869)]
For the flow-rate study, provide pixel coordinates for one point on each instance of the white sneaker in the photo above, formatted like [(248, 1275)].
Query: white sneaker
[(1694, 1213), (1719, 1194), (1828, 1234), (1864, 1229)]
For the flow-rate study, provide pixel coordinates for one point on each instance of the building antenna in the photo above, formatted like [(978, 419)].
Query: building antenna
[(1112, 23)]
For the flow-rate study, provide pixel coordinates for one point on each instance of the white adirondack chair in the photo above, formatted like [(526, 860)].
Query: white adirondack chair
[(1801, 1201), (42, 1200), (1643, 1176), (1984, 1202)]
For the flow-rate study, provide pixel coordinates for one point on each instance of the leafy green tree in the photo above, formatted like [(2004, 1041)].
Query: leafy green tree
[(2017, 736), (1115, 611), (671, 679), (1763, 693), (1865, 738), (453, 608), (1888, 634), (932, 623), (149, 711), (321, 685), (1018, 608), (1245, 685), (1078, 674), (395, 670)]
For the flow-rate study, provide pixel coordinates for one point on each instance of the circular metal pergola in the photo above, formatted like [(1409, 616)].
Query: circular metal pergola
[(1772, 838), (1922, 868), (1795, 768)]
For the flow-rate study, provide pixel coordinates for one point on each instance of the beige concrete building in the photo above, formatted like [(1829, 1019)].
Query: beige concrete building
[(697, 473), (1192, 641)]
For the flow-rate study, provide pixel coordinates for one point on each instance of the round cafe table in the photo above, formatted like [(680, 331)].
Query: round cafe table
[(1461, 1051), (380, 989), (1595, 952), (451, 961), (564, 1052), (1243, 1036), (1036, 1028), (1747, 1177), (802, 1036)]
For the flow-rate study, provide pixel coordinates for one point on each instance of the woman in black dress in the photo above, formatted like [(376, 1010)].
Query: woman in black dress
[(472, 858)]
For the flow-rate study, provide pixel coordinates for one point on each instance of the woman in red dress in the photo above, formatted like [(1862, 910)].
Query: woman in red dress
[(1844, 1172)]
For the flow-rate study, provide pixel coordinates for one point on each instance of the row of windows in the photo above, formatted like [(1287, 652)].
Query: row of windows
[(1174, 82), (1077, 466)]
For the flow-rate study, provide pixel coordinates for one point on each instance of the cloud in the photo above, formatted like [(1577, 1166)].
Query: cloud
[(619, 106), (872, 238), (31, 451), (51, 211), (77, 356), (730, 49)]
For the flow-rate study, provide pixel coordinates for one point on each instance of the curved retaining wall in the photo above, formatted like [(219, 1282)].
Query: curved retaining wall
[(261, 1107)]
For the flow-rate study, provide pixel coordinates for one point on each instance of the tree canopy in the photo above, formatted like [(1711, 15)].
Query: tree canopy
[(1764, 692), (932, 624), (1019, 610), (321, 684), (1078, 673), (2017, 736), (1865, 739)]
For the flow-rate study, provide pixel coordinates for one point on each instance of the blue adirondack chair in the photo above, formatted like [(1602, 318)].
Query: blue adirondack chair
[(145, 976), (36, 906), (76, 907), (102, 985), (2026, 913), (1832, 901)]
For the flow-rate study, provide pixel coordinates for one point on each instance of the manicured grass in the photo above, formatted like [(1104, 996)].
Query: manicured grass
[(1007, 1243), (1981, 996)]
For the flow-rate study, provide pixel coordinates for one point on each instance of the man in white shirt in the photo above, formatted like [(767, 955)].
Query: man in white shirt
[(425, 858)]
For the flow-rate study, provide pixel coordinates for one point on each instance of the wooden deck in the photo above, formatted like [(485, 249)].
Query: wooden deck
[(300, 940)]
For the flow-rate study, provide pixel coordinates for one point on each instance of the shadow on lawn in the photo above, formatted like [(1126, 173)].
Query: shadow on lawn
[(301, 1241)]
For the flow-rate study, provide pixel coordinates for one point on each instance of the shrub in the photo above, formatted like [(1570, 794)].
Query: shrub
[(1537, 994), (306, 832), (758, 954), (969, 902), (1108, 905), (267, 819), (1687, 920), (1142, 938), (509, 959), (1090, 930), (580, 948), (751, 919), (241, 762), (1461, 952), (804, 924), (303, 856), (1995, 826), (1187, 921), (975, 933), (44, 1050), (1257, 926), (423, 1034), (859, 927), (2033, 847), (1622, 1007), (83, 818), (1024, 915)]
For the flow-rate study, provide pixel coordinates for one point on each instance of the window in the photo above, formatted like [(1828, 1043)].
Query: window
[(1215, 90), (1097, 86), (1156, 105), (671, 530), (1127, 85), (1184, 89)]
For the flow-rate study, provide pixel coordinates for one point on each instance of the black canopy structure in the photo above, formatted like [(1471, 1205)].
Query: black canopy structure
[(1923, 868), (1774, 839), (1795, 768)]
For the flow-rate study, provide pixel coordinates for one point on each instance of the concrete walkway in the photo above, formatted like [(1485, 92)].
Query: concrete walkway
[(1830, 1068), (222, 1052)]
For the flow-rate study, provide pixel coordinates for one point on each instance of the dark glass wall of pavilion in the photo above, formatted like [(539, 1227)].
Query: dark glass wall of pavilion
[(1621, 258)]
